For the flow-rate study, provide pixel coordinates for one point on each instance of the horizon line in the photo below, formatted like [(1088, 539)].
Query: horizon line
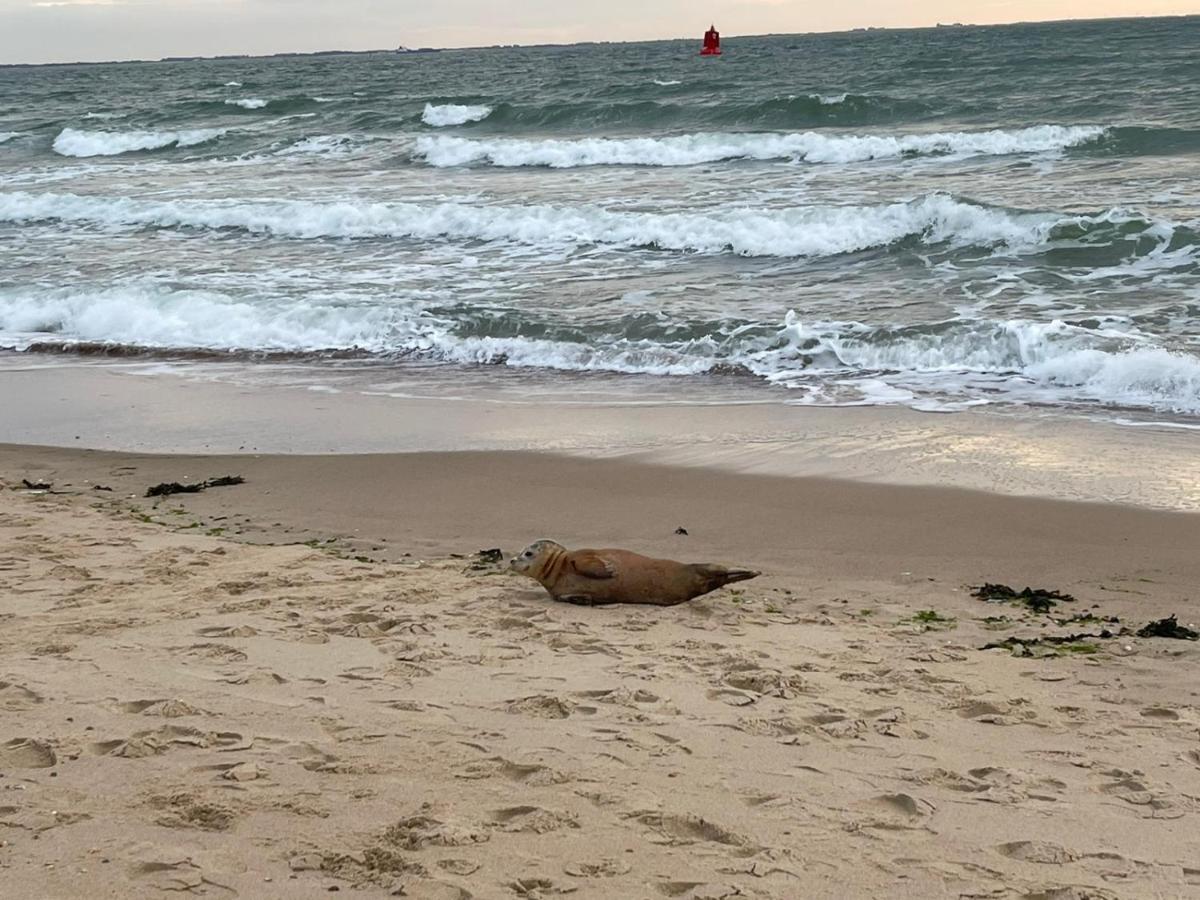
[(401, 50)]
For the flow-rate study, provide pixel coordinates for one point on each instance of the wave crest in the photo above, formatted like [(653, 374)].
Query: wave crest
[(693, 149), (453, 114), (797, 232), (79, 143)]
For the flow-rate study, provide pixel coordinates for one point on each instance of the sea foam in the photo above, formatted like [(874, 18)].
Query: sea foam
[(451, 114), (76, 142), (248, 103), (796, 232), (951, 364), (693, 149)]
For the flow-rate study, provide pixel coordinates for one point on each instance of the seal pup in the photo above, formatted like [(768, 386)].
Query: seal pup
[(592, 577)]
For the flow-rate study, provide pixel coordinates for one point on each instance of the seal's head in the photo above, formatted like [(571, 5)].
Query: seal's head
[(531, 560)]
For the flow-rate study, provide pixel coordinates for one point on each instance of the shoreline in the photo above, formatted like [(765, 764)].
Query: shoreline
[(433, 504), (154, 409)]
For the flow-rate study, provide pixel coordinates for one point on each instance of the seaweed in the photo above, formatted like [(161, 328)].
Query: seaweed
[(166, 488), (681, 530), (36, 485), (931, 619), (1068, 643), (1169, 628), (1036, 599), (1088, 618), (486, 560)]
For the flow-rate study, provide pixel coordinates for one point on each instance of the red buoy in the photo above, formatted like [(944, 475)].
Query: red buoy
[(712, 42)]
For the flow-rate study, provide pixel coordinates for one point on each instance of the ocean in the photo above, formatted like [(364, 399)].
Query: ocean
[(939, 218)]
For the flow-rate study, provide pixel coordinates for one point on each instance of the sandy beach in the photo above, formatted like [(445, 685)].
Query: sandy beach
[(314, 316), (310, 683)]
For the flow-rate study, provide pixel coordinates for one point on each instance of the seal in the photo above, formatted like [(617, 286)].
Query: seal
[(593, 577)]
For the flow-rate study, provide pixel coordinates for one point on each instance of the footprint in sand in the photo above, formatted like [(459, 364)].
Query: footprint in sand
[(688, 829), (15, 697), (175, 872), (422, 830), (601, 868), (220, 652), (766, 682), (541, 706), (187, 811), (1037, 852), (532, 820), (525, 773), (27, 753), (167, 708), (152, 743), (430, 889), (227, 631), (904, 804), (461, 867), (1161, 714), (536, 886)]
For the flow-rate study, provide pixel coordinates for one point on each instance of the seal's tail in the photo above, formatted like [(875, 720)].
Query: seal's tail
[(719, 576)]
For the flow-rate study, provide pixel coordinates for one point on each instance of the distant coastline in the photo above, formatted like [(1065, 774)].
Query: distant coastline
[(860, 30)]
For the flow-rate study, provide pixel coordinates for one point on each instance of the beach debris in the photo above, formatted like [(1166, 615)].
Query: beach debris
[(1037, 599), (36, 485), (101, 487), (681, 530), (1169, 628), (1050, 645), (1088, 618), (486, 560), (930, 620), (166, 488)]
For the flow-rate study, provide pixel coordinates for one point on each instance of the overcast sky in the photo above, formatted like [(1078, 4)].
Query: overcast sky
[(65, 30)]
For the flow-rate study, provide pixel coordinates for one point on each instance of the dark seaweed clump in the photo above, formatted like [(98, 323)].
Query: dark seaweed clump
[(166, 488), (1169, 628), (1037, 599)]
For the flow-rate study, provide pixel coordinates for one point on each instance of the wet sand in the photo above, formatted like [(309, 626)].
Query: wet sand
[(228, 409)]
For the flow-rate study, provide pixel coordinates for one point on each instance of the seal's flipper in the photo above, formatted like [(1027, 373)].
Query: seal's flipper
[(590, 565), (714, 577)]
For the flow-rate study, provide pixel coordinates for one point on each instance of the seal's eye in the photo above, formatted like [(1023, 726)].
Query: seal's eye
[(528, 553)]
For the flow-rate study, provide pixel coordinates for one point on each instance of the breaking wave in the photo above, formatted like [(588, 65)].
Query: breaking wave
[(950, 363), (75, 142), (797, 232), (6, 136), (693, 149), (451, 114), (248, 103)]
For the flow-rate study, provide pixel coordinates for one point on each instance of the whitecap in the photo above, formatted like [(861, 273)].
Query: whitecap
[(451, 114), (796, 232), (247, 103), (693, 149), (80, 143)]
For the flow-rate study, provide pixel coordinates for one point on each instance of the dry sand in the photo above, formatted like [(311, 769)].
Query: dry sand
[(186, 712)]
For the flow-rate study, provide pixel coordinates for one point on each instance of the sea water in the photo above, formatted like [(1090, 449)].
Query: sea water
[(937, 218)]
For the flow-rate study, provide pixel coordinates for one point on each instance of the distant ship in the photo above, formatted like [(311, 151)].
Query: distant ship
[(403, 49), (712, 42)]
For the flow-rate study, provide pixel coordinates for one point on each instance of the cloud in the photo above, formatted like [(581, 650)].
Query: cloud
[(52, 3)]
